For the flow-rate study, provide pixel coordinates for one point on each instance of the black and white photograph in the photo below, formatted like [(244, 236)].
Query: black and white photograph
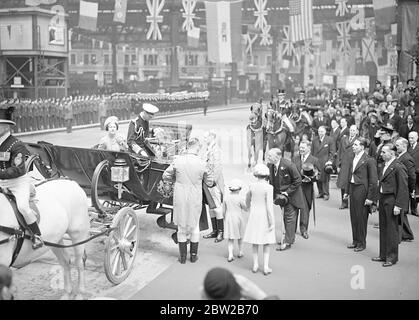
[(202, 156)]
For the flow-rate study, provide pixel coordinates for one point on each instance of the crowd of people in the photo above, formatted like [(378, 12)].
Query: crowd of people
[(368, 141), (66, 112)]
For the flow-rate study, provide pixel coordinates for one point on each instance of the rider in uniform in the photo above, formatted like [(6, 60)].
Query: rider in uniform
[(138, 129), (13, 174)]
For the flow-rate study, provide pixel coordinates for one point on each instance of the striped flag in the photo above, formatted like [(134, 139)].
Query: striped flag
[(301, 19), (224, 31), (327, 53), (88, 15)]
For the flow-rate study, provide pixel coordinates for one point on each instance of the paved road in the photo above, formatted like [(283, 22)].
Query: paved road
[(318, 268)]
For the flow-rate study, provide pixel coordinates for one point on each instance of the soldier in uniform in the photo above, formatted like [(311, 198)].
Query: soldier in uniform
[(138, 129), (68, 114), (13, 174)]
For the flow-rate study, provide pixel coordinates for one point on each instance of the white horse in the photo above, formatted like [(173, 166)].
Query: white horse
[(64, 210)]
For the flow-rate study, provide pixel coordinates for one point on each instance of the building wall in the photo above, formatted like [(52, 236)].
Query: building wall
[(16, 32)]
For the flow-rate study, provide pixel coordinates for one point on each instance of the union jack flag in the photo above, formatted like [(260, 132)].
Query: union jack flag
[(189, 7), (154, 18), (343, 38)]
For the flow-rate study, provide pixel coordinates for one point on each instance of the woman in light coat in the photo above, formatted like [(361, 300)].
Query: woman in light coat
[(260, 229)]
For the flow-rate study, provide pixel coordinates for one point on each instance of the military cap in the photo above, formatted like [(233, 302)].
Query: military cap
[(148, 107)]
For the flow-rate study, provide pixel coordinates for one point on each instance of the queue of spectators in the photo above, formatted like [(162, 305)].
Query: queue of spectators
[(52, 113)]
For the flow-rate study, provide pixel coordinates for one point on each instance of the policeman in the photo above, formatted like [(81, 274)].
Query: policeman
[(138, 129)]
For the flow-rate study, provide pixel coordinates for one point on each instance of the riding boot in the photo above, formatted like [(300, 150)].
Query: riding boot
[(194, 251), (183, 250), (214, 232), (220, 236), (36, 236)]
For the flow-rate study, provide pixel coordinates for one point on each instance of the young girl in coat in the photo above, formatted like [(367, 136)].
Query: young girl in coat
[(233, 207), (260, 229)]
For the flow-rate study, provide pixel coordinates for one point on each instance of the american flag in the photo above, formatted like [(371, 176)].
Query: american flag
[(301, 19)]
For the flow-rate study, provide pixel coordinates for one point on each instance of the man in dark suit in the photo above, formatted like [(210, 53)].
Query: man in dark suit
[(334, 132), (406, 159), (344, 130), (307, 184), (408, 127), (344, 160), (320, 120), (414, 152), (323, 148), (361, 187), (286, 180), (394, 197), (394, 118)]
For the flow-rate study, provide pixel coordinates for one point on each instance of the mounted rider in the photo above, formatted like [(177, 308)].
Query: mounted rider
[(13, 173)]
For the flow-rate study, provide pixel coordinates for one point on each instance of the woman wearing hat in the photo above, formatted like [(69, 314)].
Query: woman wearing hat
[(260, 229), (113, 141), (233, 208), (13, 173)]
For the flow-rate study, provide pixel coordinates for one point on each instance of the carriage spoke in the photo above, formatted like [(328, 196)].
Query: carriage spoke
[(124, 261), (127, 225), (115, 262), (128, 234)]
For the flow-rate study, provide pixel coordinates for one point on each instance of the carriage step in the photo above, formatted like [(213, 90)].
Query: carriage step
[(161, 211)]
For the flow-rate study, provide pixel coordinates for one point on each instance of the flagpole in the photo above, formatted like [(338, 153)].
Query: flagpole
[(174, 39), (274, 48)]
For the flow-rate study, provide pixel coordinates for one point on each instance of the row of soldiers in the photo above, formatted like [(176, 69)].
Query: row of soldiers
[(52, 113)]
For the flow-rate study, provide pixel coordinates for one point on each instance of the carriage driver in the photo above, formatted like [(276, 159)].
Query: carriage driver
[(13, 174), (138, 129)]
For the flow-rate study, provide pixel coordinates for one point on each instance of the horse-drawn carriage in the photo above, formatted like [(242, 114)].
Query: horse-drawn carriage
[(118, 183)]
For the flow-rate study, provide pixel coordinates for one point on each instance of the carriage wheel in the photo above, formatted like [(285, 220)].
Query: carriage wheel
[(103, 206), (122, 245), (34, 161)]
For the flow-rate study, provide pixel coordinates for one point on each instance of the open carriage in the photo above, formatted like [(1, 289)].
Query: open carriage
[(118, 183)]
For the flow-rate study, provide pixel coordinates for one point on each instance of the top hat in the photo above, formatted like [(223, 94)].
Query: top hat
[(281, 91), (281, 200), (302, 92), (308, 169), (329, 168), (6, 115)]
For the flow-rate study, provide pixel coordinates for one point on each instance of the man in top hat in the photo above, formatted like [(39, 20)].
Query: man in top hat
[(138, 130), (309, 168), (286, 180), (281, 99), (13, 173), (301, 98), (361, 187), (414, 152)]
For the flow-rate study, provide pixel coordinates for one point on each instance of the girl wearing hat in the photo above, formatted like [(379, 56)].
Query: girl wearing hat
[(233, 207), (260, 229), (113, 141)]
